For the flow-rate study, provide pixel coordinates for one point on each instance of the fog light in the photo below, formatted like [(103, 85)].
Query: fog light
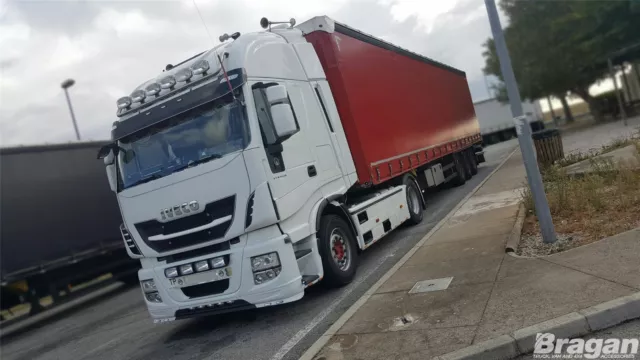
[(265, 261), (171, 272), (186, 269), (153, 297), (259, 278), (218, 262), (148, 285), (202, 265), (270, 274), (267, 275)]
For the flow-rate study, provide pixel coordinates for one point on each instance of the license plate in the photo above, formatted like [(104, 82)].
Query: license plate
[(200, 278)]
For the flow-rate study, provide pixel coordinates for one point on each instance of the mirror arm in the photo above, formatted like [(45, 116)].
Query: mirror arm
[(275, 149)]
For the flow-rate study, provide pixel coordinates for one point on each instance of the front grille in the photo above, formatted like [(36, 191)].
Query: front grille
[(207, 250), (212, 211), (237, 305), (206, 289)]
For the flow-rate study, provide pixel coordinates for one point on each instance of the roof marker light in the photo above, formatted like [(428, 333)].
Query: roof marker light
[(168, 82), (138, 96), (200, 67), (124, 102), (153, 89)]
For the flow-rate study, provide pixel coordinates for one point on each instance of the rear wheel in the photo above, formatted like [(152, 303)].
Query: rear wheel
[(338, 251), (473, 161), (414, 200), (460, 178)]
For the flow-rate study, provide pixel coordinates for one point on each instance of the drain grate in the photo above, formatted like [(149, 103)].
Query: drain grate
[(430, 285)]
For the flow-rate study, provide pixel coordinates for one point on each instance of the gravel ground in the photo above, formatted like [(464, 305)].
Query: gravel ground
[(532, 245)]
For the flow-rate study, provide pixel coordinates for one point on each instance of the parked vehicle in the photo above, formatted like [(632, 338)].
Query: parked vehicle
[(496, 121), (59, 224), (266, 164)]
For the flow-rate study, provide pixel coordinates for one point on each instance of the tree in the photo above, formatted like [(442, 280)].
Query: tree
[(562, 46)]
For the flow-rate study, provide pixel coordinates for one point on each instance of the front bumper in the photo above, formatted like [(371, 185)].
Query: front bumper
[(241, 293)]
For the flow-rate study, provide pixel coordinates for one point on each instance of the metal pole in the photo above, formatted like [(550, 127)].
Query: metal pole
[(615, 86), (523, 129), (73, 117)]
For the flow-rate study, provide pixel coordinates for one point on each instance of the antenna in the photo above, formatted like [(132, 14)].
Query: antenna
[(203, 23), (224, 71)]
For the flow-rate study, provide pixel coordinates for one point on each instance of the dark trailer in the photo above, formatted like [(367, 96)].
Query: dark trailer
[(59, 222)]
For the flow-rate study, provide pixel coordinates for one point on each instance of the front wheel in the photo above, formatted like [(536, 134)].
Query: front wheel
[(338, 251), (414, 200)]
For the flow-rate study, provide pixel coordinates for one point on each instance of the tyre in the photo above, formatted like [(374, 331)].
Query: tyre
[(473, 161), (467, 164), (460, 178), (338, 251), (414, 200)]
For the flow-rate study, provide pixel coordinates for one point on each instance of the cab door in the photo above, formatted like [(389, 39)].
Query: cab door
[(291, 164)]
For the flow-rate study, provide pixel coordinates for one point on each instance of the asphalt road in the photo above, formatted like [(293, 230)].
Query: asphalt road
[(118, 326)]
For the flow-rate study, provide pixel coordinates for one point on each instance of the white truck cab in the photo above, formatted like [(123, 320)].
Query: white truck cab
[(226, 167)]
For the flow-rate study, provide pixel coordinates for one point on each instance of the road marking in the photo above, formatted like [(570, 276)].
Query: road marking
[(324, 339)]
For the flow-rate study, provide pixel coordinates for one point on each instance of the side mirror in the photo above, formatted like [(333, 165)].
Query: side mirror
[(284, 121), (109, 159), (111, 176)]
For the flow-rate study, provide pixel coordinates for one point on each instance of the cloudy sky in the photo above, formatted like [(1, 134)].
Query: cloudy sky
[(109, 47)]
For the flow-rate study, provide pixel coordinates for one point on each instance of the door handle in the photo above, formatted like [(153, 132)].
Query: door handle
[(311, 170)]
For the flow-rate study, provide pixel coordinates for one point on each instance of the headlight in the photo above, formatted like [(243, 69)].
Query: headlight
[(153, 297), (148, 285), (138, 96), (265, 261), (186, 269), (218, 262), (124, 102), (184, 75), (168, 82), (153, 89), (200, 67), (171, 272), (202, 265)]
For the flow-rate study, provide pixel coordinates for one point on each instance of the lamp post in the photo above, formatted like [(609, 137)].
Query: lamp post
[(522, 127), (65, 86)]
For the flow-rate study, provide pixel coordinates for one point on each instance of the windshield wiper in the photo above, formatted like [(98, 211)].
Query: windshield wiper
[(151, 177), (199, 161)]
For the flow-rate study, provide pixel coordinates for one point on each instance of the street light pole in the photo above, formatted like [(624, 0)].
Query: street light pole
[(523, 128), (65, 86)]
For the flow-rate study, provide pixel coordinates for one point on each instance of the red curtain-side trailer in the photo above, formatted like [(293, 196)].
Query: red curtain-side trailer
[(399, 110)]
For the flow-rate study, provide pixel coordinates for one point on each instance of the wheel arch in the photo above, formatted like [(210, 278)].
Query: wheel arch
[(333, 206)]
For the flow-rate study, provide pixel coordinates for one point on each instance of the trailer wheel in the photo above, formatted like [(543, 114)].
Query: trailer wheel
[(338, 251), (460, 178), (473, 161), (414, 200)]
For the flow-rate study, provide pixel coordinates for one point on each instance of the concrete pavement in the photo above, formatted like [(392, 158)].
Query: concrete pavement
[(491, 293)]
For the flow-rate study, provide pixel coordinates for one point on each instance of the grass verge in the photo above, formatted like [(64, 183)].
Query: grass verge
[(585, 208)]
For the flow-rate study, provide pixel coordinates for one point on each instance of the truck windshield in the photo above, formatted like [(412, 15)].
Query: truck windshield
[(205, 133)]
